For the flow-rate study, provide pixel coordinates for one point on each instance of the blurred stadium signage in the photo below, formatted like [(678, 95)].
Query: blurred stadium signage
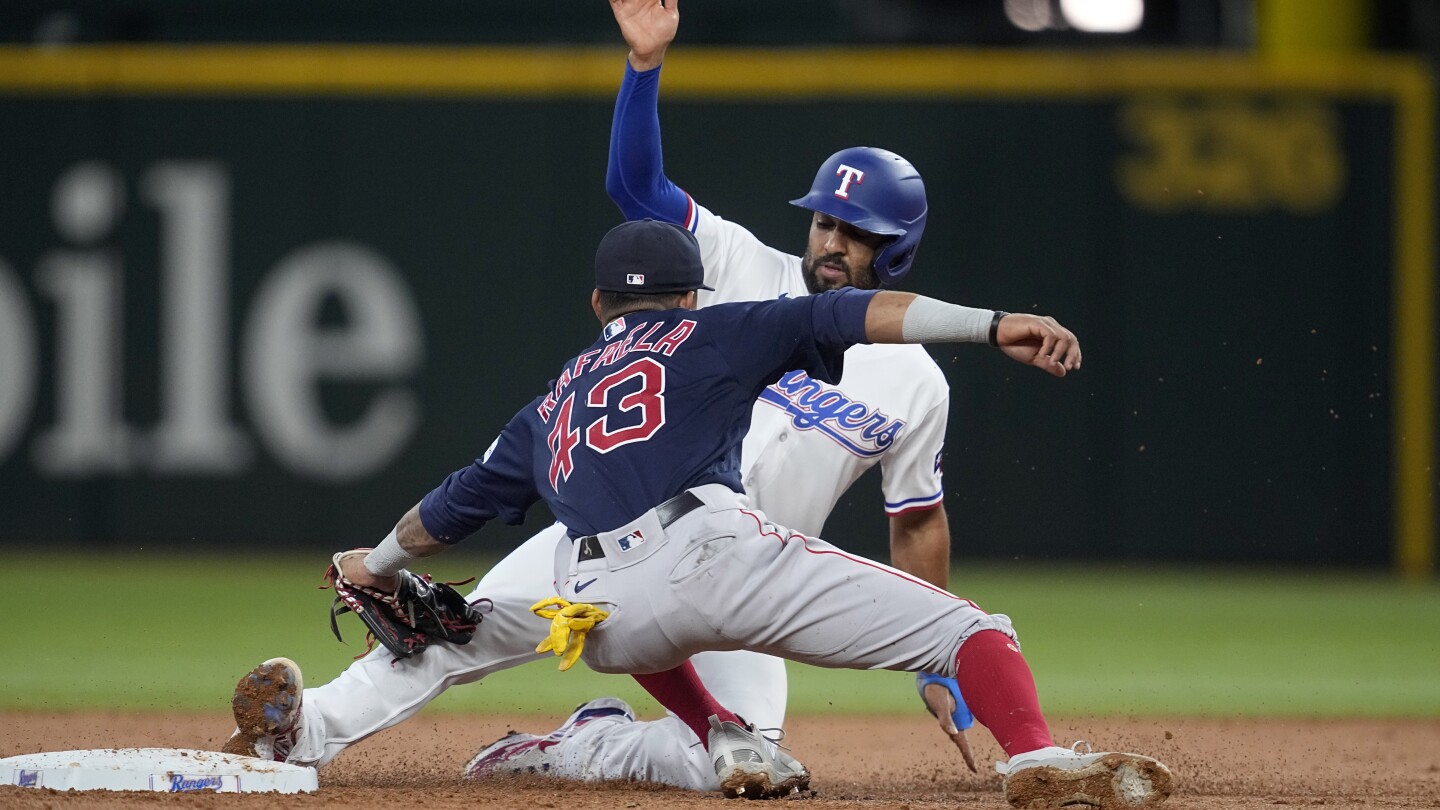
[(1231, 155), (285, 352)]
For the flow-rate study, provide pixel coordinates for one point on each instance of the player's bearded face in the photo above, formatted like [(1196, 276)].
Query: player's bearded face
[(839, 255)]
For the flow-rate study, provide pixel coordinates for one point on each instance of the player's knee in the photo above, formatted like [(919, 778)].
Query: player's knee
[(997, 622)]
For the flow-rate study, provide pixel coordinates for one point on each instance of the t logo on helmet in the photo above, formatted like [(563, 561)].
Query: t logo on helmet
[(848, 174)]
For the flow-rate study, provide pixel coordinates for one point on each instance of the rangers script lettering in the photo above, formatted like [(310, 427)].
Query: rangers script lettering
[(811, 405), (180, 783)]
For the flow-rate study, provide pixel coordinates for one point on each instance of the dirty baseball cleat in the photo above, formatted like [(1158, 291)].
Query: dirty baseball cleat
[(267, 711), (750, 766), (1055, 777), (518, 752)]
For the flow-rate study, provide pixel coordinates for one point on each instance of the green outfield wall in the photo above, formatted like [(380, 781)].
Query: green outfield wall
[(269, 296)]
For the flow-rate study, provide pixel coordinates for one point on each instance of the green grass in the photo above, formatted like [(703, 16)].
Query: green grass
[(152, 631)]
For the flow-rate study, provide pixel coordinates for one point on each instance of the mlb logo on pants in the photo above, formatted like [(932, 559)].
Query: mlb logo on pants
[(630, 541)]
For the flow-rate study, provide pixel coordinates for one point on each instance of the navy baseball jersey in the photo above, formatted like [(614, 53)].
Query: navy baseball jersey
[(659, 404)]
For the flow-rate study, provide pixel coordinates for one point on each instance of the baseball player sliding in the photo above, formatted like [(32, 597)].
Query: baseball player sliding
[(808, 441), (635, 447)]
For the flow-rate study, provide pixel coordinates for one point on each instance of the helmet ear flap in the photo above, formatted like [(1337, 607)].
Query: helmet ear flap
[(901, 259), (893, 261)]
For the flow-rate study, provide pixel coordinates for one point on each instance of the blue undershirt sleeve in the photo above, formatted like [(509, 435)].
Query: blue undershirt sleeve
[(840, 317), (635, 177)]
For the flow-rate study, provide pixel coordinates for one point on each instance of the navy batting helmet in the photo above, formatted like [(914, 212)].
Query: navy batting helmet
[(877, 191)]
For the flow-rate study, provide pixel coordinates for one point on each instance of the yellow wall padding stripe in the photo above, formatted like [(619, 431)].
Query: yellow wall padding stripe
[(692, 72), (1291, 28), (1413, 387)]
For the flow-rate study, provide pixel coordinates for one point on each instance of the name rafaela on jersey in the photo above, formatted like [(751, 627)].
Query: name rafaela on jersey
[(859, 428), (637, 341)]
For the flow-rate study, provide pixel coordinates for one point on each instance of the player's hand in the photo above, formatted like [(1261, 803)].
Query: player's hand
[(942, 699), (351, 565), (648, 26), (1039, 341)]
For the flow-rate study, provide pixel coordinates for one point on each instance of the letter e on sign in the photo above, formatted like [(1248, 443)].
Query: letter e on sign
[(288, 353)]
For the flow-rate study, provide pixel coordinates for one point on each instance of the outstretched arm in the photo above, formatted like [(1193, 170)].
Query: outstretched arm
[(635, 176), (1035, 340)]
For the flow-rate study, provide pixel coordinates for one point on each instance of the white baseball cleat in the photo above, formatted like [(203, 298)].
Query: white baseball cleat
[(517, 752), (750, 766), (1055, 777), (267, 711)]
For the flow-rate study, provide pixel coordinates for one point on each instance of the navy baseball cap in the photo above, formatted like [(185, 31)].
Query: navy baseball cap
[(649, 256)]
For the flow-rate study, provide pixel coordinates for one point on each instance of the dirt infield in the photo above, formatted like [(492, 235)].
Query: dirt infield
[(862, 762)]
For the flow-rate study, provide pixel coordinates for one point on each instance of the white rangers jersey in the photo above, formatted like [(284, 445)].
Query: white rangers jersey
[(808, 441)]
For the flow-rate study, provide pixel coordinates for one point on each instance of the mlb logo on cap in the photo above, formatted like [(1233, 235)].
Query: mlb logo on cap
[(648, 257)]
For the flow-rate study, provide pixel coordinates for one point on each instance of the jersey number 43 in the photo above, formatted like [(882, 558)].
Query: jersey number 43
[(648, 400)]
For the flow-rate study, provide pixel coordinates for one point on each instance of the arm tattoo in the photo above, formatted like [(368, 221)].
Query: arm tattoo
[(413, 536)]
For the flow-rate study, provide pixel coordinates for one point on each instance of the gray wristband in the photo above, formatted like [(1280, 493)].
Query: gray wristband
[(388, 558), (930, 321)]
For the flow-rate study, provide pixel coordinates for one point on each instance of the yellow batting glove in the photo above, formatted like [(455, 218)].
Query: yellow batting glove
[(569, 622)]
